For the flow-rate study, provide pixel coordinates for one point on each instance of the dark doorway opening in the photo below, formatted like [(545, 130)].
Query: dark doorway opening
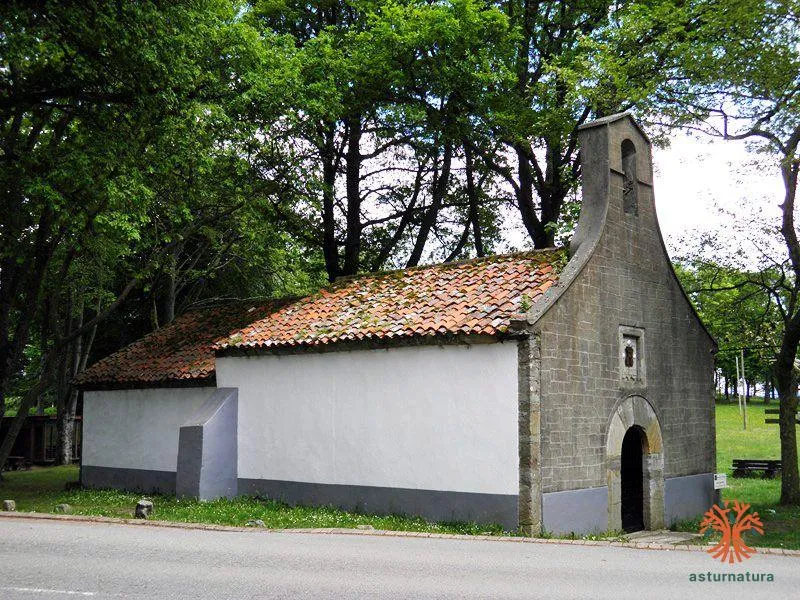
[(632, 480)]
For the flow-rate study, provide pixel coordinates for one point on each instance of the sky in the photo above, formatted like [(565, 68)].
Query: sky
[(694, 177), (706, 186)]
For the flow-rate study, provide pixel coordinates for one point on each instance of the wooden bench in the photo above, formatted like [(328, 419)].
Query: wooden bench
[(776, 411), (18, 463), (743, 466)]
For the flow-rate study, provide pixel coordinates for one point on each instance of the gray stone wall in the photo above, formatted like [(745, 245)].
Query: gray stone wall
[(626, 282)]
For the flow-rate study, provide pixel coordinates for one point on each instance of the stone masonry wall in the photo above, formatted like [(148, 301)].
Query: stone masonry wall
[(627, 282)]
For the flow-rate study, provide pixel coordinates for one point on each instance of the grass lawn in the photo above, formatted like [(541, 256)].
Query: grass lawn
[(781, 524), (41, 489)]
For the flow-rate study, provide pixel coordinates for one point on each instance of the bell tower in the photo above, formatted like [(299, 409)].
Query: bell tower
[(617, 179)]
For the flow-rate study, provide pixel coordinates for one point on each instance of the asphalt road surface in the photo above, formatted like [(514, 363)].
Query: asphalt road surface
[(52, 559)]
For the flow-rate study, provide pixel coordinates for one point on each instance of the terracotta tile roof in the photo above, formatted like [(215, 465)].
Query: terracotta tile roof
[(180, 353), (472, 297), (479, 296)]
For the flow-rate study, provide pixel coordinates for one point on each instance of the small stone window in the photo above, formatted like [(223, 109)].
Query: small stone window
[(630, 181), (631, 363)]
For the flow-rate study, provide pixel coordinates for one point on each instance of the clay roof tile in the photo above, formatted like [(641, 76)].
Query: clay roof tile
[(479, 296)]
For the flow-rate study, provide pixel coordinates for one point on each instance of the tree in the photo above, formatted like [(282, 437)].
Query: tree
[(386, 96), (410, 130), (160, 154), (745, 85), (86, 90), (573, 61), (739, 314)]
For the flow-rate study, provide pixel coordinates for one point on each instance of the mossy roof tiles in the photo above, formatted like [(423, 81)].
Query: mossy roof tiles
[(474, 297)]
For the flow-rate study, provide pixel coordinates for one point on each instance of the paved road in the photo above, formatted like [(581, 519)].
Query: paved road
[(50, 560)]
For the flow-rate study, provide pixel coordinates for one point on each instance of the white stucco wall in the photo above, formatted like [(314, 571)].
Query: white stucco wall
[(137, 429), (427, 417)]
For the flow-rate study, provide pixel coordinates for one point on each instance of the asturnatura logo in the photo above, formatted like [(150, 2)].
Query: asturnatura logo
[(731, 522)]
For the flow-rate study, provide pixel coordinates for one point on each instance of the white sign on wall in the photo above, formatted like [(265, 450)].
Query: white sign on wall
[(720, 481)]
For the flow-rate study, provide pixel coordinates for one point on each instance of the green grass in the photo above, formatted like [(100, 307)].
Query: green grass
[(41, 489), (781, 524)]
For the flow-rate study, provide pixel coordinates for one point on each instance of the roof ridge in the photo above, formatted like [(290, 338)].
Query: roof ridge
[(463, 261)]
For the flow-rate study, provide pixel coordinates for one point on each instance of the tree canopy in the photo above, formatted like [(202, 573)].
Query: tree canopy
[(157, 155)]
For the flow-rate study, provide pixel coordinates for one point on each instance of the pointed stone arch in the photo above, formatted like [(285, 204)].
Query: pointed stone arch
[(636, 411)]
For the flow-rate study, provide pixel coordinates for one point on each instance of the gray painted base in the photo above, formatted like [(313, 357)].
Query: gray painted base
[(433, 505), (575, 511), (139, 480), (689, 496)]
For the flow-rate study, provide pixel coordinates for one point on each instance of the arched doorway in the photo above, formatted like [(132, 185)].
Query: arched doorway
[(635, 466), (632, 480)]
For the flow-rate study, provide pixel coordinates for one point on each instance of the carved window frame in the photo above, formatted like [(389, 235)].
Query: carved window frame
[(634, 376)]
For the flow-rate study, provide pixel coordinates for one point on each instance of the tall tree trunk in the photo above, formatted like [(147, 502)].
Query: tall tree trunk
[(63, 389), (154, 321), (330, 250), (727, 389), (786, 376), (352, 243), (69, 395), (65, 428), (44, 340), (405, 220), (785, 371), (554, 189), (527, 208), (474, 202), (430, 215), (172, 283), (66, 440)]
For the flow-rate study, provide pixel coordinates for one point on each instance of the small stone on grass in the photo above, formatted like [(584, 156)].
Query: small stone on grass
[(9, 505), (255, 523), (365, 527), (64, 509), (144, 509)]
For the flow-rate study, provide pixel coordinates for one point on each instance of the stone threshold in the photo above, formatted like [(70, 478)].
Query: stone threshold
[(383, 533), (663, 536)]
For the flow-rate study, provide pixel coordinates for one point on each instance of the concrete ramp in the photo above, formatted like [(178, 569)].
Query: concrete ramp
[(208, 449)]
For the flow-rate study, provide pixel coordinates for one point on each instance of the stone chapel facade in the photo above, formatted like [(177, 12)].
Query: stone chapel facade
[(561, 390)]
